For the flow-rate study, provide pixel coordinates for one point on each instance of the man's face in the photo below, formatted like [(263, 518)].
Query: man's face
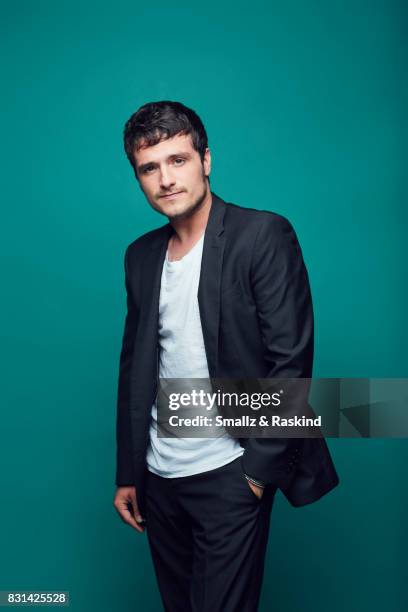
[(172, 176)]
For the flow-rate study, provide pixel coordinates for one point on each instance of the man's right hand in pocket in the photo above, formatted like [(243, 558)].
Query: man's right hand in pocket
[(125, 503)]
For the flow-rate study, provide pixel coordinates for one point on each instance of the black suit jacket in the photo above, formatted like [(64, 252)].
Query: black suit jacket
[(257, 322)]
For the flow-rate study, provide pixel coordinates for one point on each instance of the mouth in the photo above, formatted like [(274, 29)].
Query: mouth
[(170, 196)]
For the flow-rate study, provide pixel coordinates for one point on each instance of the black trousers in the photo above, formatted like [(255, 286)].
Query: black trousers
[(208, 535)]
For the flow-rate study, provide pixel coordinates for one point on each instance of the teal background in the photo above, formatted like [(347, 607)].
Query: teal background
[(305, 107)]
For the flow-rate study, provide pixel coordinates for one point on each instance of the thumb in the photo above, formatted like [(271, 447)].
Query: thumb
[(136, 513)]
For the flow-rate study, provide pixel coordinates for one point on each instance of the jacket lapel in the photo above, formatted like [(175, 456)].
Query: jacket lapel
[(210, 281), (149, 313)]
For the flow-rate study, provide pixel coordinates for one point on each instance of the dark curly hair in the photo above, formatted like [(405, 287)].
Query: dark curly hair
[(156, 121)]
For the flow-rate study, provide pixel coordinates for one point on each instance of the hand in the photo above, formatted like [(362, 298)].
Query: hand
[(126, 504), (257, 490)]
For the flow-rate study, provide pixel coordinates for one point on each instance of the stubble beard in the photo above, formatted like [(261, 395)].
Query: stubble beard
[(191, 208)]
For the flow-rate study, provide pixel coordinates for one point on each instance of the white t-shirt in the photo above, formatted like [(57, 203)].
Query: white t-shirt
[(182, 355)]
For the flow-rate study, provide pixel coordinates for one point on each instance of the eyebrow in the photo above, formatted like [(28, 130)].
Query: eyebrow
[(185, 154)]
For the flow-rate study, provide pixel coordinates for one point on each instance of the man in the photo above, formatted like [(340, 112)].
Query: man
[(219, 291)]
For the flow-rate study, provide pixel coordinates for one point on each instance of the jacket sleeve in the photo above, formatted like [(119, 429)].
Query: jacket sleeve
[(124, 466), (284, 306)]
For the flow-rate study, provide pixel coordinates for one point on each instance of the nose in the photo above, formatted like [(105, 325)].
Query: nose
[(166, 178)]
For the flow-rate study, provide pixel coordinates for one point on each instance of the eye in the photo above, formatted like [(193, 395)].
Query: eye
[(179, 161), (148, 169)]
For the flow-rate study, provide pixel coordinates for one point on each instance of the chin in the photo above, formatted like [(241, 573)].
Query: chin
[(180, 214), (179, 210), (187, 210)]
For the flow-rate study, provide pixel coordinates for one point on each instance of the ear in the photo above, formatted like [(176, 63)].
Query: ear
[(207, 162)]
